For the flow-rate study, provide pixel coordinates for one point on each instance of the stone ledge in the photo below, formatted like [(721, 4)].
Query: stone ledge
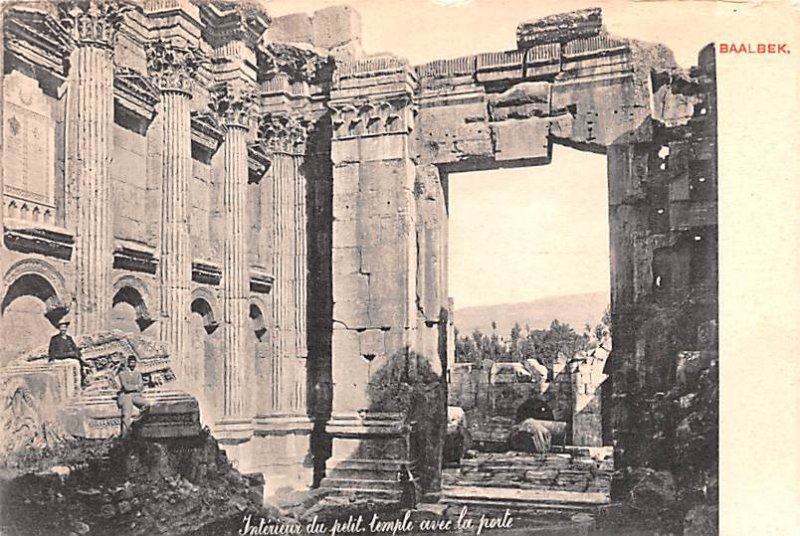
[(367, 424), (38, 237), (134, 256), (233, 430), (281, 425)]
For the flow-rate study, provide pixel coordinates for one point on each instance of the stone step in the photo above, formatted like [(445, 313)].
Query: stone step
[(522, 497), (366, 492), (338, 482)]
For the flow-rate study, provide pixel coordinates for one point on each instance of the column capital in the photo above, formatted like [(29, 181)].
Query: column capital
[(174, 64), (93, 22), (284, 132), (234, 103)]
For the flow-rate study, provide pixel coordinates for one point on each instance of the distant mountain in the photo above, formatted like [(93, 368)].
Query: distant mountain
[(577, 310)]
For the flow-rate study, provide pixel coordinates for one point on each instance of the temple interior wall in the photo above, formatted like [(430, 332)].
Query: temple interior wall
[(333, 194)]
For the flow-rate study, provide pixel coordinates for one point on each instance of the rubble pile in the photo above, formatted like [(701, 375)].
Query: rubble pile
[(129, 487), (566, 471)]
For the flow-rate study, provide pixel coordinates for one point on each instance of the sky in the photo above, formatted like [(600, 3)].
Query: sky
[(521, 234), (526, 233)]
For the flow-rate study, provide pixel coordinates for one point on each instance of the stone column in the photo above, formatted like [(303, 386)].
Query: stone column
[(285, 136), (91, 92), (173, 65), (233, 102)]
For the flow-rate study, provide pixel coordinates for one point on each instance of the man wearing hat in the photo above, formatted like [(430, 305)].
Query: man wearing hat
[(62, 346)]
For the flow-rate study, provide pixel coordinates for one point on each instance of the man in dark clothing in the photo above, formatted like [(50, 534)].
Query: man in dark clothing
[(62, 346)]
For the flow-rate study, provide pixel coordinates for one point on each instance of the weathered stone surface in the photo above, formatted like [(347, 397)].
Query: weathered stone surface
[(559, 28)]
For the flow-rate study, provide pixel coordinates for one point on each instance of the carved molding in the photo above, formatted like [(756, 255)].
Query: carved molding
[(207, 132), (27, 237), (233, 103), (136, 93), (173, 65), (206, 273), (233, 21), (46, 271), (38, 38), (284, 132), (299, 64), (259, 160), (134, 257), (368, 117), (93, 22), (260, 280)]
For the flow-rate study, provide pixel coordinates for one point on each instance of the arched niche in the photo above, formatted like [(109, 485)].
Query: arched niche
[(30, 308), (205, 368), (129, 310), (264, 380)]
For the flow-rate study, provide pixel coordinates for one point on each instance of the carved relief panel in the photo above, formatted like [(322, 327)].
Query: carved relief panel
[(28, 159)]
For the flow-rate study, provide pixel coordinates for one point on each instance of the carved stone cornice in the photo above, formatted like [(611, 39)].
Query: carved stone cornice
[(260, 280), (233, 21), (134, 257), (206, 272), (299, 64), (233, 103), (259, 160), (32, 237), (93, 22), (368, 116), (36, 37), (135, 92), (284, 132), (173, 64), (207, 132)]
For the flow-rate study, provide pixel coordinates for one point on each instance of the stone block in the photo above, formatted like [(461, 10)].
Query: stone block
[(336, 26), (292, 28), (521, 139), (346, 260), (384, 147), (371, 342), (346, 179), (345, 233), (524, 100), (351, 287), (345, 151), (351, 312), (384, 176)]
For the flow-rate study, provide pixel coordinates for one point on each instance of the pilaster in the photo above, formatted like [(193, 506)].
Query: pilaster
[(374, 270), (374, 215), (172, 65), (284, 137)]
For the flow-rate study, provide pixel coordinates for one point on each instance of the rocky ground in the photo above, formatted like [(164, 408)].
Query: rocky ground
[(127, 487)]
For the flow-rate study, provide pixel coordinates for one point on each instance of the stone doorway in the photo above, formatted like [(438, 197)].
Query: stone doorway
[(399, 131)]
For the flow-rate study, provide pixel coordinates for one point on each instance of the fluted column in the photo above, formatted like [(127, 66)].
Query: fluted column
[(91, 92), (173, 66), (233, 103), (285, 136)]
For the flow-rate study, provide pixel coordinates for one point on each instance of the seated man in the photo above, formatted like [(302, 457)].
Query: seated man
[(130, 394), (62, 346)]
